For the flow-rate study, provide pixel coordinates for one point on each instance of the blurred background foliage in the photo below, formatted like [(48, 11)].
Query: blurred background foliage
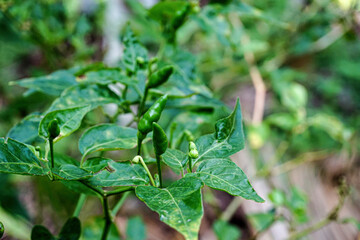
[(294, 64)]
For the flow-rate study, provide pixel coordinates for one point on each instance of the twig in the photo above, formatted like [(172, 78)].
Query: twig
[(256, 78), (231, 209), (332, 216), (294, 163), (119, 204)]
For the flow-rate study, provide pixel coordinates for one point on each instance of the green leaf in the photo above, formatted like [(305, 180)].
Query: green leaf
[(135, 229), (175, 159), (26, 130), (164, 10), (71, 229), (107, 76), (69, 120), (122, 174), (52, 84), (70, 172), (227, 140), (262, 221), (107, 137), (225, 175), (81, 95), (133, 51), (96, 164), (40, 232), (18, 158), (79, 187), (294, 96), (225, 231), (93, 229), (178, 205)]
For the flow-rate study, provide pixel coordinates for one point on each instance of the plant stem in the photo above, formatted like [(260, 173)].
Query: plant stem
[(158, 162), (79, 205), (51, 143), (147, 170), (310, 229), (190, 164), (231, 209), (82, 160), (98, 191), (139, 142), (332, 216), (119, 204), (107, 218)]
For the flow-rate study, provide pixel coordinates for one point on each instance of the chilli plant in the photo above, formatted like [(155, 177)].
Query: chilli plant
[(148, 90)]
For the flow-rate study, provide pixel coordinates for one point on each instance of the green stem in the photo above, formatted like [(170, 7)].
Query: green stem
[(139, 142), (107, 218), (79, 205), (142, 103), (51, 143), (145, 150), (98, 191), (310, 229), (147, 170), (82, 160), (158, 162), (190, 164), (119, 204)]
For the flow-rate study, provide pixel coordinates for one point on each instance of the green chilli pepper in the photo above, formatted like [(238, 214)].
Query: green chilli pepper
[(160, 77), (152, 115), (180, 17), (53, 129), (160, 143), (160, 140), (2, 229)]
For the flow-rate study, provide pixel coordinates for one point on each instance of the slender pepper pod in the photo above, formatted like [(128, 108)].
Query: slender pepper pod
[(152, 115), (159, 77), (160, 140), (2, 229), (53, 129)]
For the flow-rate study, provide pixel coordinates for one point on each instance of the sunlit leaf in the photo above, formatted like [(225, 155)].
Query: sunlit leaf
[(178, 205)]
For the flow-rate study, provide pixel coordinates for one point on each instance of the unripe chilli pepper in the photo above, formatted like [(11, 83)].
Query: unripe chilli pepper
[(152, 115), (160, 143), (53, 129), (159, 77)]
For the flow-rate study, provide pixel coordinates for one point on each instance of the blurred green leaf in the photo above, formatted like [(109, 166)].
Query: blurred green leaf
[(225, 231), (40, 232), (71, 229), (52, 84), (135, 229)]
